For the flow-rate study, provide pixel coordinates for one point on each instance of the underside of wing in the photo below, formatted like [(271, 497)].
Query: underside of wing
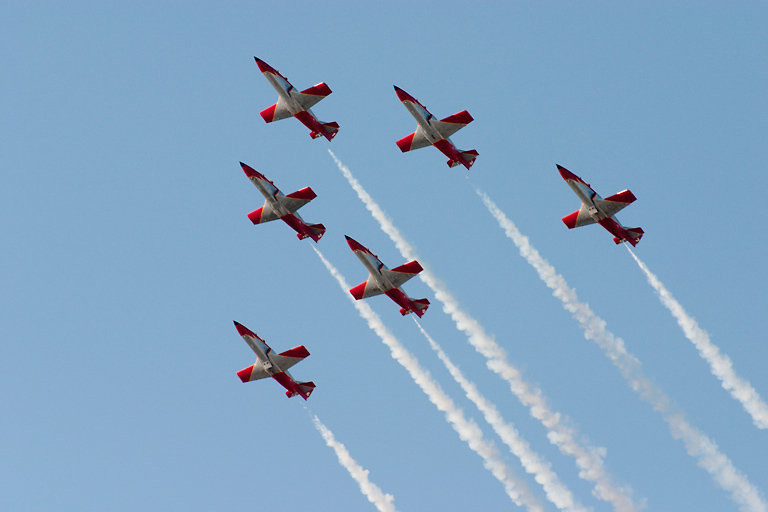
[(580, 217), (399, 275), (369, 288), (615, 203), (277, 111), (452, 124), (263, 214), (309, 97), (289, 358), (293, 202), (253, 372), (416, 140)]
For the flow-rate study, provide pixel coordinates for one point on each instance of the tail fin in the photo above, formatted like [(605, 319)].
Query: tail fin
[(307, 388), (331, 129), (635, 234), (467, 159), (317, 232), (421, 308)]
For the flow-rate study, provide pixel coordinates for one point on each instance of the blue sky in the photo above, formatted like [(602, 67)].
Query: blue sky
[(128, 253)]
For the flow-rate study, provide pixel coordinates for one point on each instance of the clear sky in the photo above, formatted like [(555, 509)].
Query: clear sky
[(127, 252)]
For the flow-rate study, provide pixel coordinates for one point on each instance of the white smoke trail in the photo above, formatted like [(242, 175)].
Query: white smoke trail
[(588, 459), (697, 444), (383, 502), (720, 364), (556, 492), (468, 430)]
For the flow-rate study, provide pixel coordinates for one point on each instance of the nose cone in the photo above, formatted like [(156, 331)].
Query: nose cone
[(251, 172), (243, 330), (566, 174), (354, 245), (264, 67), (404, 96)]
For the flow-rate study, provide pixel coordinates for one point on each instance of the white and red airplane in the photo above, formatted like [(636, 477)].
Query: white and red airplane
[(432, 132), (278, 206), (269, 364), (292, 103), (383, 280), (595, 209)]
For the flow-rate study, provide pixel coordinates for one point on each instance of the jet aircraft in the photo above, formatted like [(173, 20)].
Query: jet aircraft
[(383, 280), (292, 103), (435, 133), (595, 209), (269, 364), (278, 206)]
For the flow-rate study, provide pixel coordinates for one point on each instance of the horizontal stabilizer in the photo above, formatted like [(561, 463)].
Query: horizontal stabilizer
[(307, 388), (318, 230), (421, 308), (633, 236), (469, 157)]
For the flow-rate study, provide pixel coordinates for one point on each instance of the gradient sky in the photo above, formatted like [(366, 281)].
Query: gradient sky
[(127, 252)]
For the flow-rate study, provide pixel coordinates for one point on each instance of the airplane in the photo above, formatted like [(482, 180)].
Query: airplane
[(278, 206), (435, 133), (269, 364), (383, 280), (292, 103), (596, 209)]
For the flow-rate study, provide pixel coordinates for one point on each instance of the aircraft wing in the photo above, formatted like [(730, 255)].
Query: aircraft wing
[(416, 140), (309, 97), (615, 203), (369, 288), (580, 217), (293, 202), (399, 275), (253, 372), (276, 112), (290, 357), (452, 124)]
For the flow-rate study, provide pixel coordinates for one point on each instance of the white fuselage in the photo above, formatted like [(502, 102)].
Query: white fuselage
[(285, 91), (424, 118), (272, 196), (587, 196)]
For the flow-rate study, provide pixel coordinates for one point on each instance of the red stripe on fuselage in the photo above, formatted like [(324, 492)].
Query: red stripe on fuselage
[(310, 122), (402, 300), (449, 150), (287, 382), (615, 229), (297, 225)]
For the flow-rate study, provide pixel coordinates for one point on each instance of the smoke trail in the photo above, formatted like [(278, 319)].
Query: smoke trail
[(588, 459), (383, 502), (468, 430), (556, 492), (720, 364), (697, 444)]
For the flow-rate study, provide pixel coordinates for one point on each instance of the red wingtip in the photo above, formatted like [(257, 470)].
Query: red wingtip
[(245, 373)]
